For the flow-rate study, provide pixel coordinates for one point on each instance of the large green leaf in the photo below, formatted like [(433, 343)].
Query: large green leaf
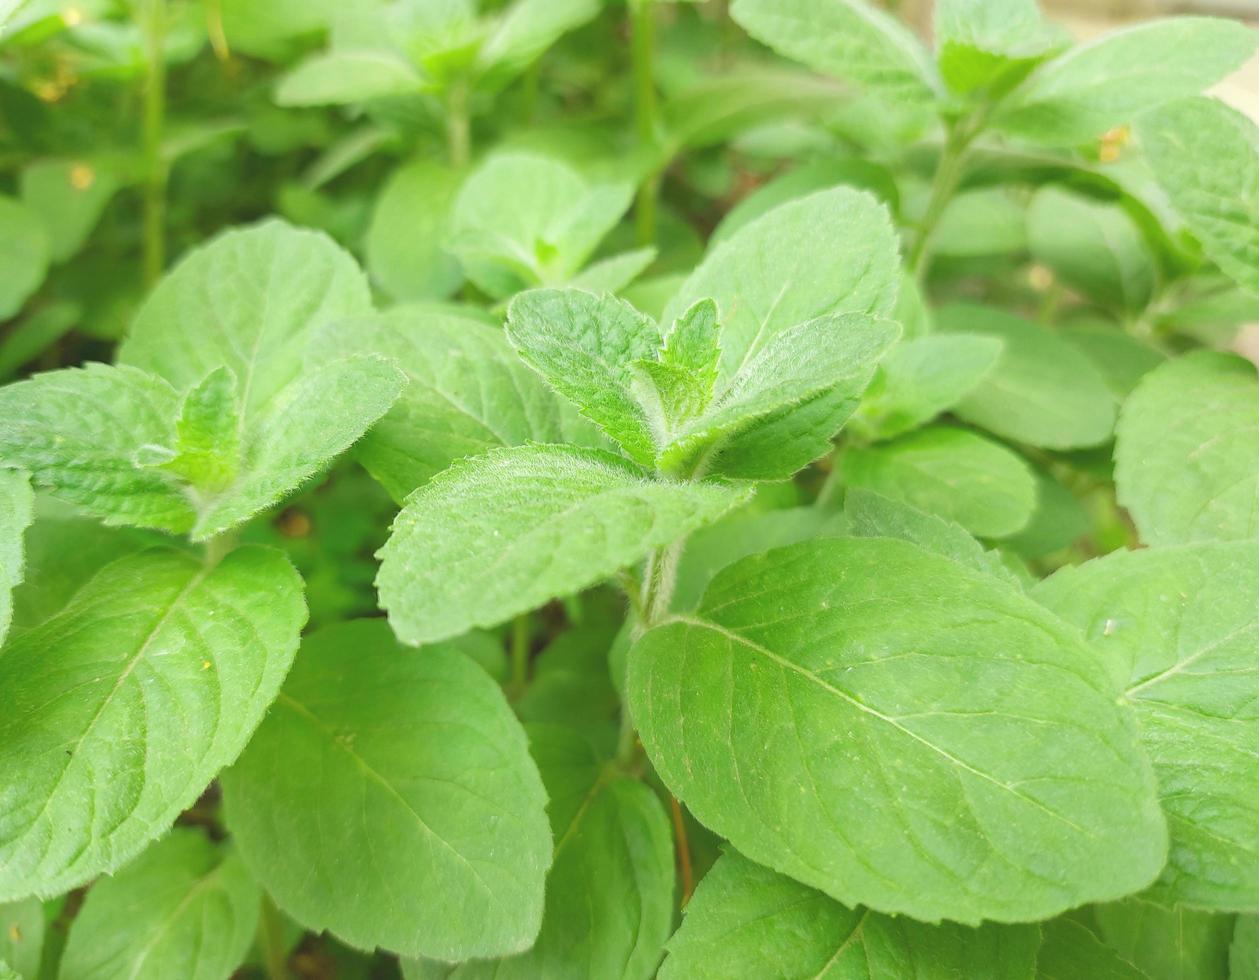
[(467, 392), (17, 510), (1094, 247), (1069, 951), (609, 896), (830, 252), (182, 909), (1109, 81), (900, 732), (1179, 628), (389, 797), (953, 473), (78, 430), (1167, 944), (118, 711), (502, 533), (850, 39), (1122, 359), (1203, 153), (584, 346), (746, 923), (1186, 457), (1043, 391)]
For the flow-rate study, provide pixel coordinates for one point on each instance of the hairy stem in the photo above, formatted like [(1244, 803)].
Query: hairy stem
[(153, 26), (271, 941), (948, 177), (685, 866), (642, 54), (458, 124)]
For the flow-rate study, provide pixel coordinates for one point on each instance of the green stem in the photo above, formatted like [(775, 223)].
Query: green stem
[(271, 941), (458, 125), (519, 656), (948, 177), (155, 169), (642, 54), (220, 546)]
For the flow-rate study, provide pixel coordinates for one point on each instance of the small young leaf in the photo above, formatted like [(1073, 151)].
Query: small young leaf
[(1069, 951), (746, 922), (345, 77), (24, 253), (900, 732), (502, 533), (467, 392), (17, 510), (871, 515), (389, 797), (207, 434), (78, 430), (921, 378), (609, 896), (1167, 944), (68, 196), (1186, 458), (182, 909), (850, 39), (1093, 247), (509, 241), (693, 343), (585, 347), (117, 711), (1178, 628), (524, 30), (1203, 155), (990, 44), (1109, 81), (950, 472), (1042, 392)]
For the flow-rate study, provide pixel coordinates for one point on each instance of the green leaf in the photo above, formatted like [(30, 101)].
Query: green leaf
[(78, 430), (68, 196), (953, 473), (613, 274), (871, 515), (24, 254), (990, 44), (901, 732), (1043, 391), (22, 937), (406, 253), (1186, 460), (1069, 951), (570, 684), (981, 222), (467, 392), (609, 901), (1093, 247), (182, 909), (502, 533), (921, 378), (849, 39), (1167, 944), (1059, 519), (207, 435), (348, 76), (746, 922), (584, 346), (834, 352), (313, 420), (1243, 956), (17, 510), (525, 30), (1077, 97), (250, 300), (1122, 359), (830, 252), (1203, 155), (509, 241), (118, 711), (1178, 629), (389, 797)]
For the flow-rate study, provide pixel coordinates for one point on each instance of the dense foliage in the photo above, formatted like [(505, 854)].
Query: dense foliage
[(566, 489)]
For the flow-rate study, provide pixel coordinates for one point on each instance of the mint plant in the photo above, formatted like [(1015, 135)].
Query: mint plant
[(620, 491)]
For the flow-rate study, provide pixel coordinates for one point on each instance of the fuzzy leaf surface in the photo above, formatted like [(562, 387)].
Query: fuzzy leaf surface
[(17, 510)]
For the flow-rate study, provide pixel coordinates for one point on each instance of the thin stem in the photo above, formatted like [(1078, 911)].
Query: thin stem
[(220, 546), (271, 941), (948, 177), (519, 656), (685, 867), (642, 55), (155, 169), (458, 124)]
